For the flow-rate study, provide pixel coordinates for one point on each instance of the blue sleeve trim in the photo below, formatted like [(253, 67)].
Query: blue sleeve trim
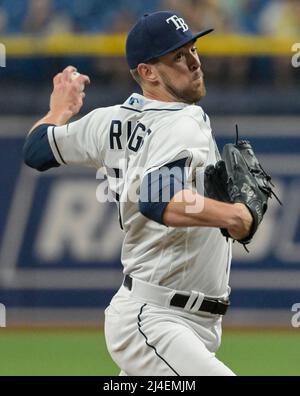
[(159, 187), (37, 152)]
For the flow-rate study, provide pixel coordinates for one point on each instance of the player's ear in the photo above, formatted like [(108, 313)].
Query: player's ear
[(147, 72)]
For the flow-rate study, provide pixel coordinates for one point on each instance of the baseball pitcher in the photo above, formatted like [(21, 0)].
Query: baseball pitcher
[(180, 205)]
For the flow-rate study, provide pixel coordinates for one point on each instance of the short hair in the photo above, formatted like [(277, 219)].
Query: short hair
[(135, 74)]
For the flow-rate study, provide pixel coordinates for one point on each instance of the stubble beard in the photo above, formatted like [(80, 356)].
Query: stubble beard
[(188, 95)]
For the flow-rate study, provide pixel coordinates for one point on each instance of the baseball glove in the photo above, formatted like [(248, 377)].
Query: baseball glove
[(240, 178)]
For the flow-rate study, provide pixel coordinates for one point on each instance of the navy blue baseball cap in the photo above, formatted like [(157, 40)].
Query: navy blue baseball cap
[(156, 34)]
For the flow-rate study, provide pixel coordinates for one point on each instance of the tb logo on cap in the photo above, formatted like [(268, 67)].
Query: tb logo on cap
[(178, 22)]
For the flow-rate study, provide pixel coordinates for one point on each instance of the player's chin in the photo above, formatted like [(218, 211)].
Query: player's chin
[(202, 92), (199, 91), (198, 94)]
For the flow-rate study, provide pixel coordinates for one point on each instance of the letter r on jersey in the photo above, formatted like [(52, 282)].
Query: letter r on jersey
[(178, 22)]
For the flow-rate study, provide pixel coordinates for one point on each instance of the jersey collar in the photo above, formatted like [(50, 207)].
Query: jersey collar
[(141, 103)]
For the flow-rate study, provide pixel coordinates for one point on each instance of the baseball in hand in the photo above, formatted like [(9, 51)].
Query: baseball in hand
[(75, 75)]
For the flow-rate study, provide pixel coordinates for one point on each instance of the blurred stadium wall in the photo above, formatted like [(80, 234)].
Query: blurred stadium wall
[(59, 247)]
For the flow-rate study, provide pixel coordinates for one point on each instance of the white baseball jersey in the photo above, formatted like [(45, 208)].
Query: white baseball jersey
[(129, 141)]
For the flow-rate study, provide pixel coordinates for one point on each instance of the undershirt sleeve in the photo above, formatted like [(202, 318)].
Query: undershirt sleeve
[(37, 152)]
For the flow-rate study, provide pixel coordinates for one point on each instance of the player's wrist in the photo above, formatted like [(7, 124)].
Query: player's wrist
[(240, 223), (58, 117)]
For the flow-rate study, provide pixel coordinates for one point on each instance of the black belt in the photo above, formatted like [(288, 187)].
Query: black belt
[(211, 305)]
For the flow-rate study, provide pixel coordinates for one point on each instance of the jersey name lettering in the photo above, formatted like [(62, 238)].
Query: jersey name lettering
[(135, 138)]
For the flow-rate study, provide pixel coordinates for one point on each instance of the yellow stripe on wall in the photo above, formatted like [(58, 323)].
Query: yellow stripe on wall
[(114, 45)]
